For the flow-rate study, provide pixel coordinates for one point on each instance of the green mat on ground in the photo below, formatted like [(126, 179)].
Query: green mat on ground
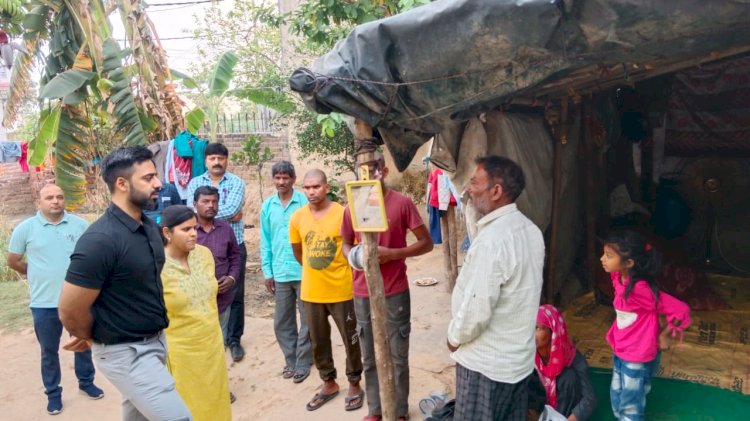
[(672, 400)]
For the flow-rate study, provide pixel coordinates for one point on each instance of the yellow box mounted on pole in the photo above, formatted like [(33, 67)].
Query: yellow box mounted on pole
[(366, 205)]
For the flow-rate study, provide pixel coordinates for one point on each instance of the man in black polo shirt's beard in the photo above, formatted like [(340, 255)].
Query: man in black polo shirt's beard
[(113, 298)]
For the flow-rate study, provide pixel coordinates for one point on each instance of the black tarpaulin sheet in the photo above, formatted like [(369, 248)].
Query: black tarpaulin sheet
[(424, 71)]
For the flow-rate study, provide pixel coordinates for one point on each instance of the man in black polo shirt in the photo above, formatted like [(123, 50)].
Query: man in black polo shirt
[(113, 294)]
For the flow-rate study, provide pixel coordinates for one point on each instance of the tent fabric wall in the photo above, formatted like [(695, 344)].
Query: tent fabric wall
[(709, 111), (525, 139)]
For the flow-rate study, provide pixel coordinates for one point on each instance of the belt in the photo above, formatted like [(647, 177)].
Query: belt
[(126, 340)]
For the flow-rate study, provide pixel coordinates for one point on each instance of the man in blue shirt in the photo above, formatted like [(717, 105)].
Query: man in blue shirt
[(283, 273), (231, 200), (47, 240)]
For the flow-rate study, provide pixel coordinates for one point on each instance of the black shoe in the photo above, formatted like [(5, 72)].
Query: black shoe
[(92, 391), (238, 353), (54, 405)]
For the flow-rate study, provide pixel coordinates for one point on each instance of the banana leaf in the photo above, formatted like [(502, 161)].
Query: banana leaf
[(195, 119), (66, 83), (121, 97), (47, 135), (272, 98), (222, 74), (187, 81), (74, 132)]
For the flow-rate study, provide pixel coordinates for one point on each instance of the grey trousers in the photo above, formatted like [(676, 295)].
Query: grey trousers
[(138, 370), (398, 324), (294, 343)]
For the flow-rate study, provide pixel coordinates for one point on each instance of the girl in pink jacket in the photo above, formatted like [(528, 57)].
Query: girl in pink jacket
[(636, 336)]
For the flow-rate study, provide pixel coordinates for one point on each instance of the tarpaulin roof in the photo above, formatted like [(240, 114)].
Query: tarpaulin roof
[(418, 73)]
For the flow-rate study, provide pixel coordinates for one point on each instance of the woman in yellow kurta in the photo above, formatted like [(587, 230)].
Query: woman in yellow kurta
[(195, 348)]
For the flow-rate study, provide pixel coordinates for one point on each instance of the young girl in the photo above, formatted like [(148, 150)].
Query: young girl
[(634, 336)]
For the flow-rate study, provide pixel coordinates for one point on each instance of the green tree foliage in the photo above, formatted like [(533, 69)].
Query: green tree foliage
[(253, 154), (327, 139), (249, 30), (324, 22), (252, 31)]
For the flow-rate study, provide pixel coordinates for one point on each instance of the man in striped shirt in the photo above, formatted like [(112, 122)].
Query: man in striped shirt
[(231, 200)]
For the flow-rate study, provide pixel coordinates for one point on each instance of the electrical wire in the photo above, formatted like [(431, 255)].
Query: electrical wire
[(181, 3)]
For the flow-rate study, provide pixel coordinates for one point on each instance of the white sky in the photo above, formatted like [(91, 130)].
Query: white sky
[(174, 22)]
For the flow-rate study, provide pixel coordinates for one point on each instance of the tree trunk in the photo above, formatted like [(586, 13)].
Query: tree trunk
[(450, 246)]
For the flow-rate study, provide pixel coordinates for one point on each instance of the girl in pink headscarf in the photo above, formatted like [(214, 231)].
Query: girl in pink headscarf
[(561, 371)]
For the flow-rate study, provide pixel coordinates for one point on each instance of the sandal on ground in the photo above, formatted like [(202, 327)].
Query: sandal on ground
[(301, 374), (371, 418), (319, 400), (354, 401), (426, 406), (288, 372)]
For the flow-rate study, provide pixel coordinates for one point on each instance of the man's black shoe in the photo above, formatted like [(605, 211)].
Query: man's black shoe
[(238, 353)]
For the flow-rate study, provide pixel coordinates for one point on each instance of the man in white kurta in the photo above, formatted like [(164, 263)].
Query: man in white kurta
[(495, 301)]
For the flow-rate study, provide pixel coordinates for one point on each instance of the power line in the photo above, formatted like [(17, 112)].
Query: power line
[(181, 3), (172, 38)]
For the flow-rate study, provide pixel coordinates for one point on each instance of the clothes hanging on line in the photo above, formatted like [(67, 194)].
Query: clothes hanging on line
[(10, 151)]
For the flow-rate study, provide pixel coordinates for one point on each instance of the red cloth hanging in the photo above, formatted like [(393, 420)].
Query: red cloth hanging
[(23, 161), (182, 169)]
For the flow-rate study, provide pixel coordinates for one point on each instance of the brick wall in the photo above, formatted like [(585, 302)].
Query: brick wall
[(18, 190), (279, 147)]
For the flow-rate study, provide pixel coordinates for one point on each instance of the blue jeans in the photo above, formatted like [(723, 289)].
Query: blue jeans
[(48, 329), (294, 343), (631, 382), (224, 324)]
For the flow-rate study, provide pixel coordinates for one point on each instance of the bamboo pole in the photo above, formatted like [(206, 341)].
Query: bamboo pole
[(378, 312), (450, 247)]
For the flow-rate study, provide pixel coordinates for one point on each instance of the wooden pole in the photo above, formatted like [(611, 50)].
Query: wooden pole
[(452, 256), (378, 312), (560, 138)]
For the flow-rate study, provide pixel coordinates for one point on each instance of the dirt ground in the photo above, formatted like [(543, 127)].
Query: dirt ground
[(261, 392)]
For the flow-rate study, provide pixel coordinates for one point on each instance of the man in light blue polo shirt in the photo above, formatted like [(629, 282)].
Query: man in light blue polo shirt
[(282, 272), (47, 240)]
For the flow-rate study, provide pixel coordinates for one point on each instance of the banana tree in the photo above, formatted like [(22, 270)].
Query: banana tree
[(88, 78), (219, 87)]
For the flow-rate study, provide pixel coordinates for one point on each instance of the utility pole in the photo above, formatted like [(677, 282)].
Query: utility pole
[(383, 361)]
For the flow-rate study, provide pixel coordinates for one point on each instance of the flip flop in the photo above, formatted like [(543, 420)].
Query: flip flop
[(359, 397), (301, 374), (322, 398), (288, 372)]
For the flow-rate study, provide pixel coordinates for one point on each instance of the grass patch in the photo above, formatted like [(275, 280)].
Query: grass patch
[(14, 306), (14, 293)]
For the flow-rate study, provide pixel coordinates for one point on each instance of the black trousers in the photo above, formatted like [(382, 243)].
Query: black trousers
[(236, 325)]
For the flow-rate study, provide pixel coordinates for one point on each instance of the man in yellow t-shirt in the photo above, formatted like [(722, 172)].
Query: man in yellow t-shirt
[(314, 232)]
